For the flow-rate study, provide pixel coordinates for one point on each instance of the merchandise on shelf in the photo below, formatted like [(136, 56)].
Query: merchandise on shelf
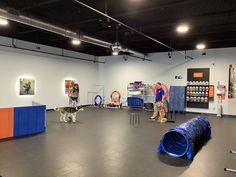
[(197, 94), (139, 94)]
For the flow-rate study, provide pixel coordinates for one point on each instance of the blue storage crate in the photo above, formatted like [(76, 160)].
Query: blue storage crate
[(135, 102)]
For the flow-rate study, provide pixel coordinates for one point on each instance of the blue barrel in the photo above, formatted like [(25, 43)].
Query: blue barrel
[(182, 140)]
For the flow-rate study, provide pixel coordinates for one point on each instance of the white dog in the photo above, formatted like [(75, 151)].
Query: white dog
[(67, 112)]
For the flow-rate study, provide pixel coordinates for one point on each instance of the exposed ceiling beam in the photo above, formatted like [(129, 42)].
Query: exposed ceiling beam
[(27, 31), (196, 19), (135, 12), (39, 4), (61, 31), (173, 37), (133, 29)]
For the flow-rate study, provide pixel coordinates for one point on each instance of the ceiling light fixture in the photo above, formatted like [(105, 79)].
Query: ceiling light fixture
[(169, 54), (76, 42), (3, 21), (116, 48), (130, 28), (182, 29), (201, 46), (115, 53)]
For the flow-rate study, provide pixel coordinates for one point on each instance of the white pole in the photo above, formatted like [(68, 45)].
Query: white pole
[(230, 170)]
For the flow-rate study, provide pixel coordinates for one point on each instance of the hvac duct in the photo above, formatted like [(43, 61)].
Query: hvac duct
[(58, 30)]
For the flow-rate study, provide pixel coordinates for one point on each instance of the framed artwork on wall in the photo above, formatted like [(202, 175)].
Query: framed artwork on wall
[(27, 86), (68, 84)]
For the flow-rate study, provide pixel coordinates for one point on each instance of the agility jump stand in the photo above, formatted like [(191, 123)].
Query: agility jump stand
[(232, 152), (229, 169), (134, 119)]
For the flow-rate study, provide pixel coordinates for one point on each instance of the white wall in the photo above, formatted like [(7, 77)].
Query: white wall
[(49, 72), (117, 73)]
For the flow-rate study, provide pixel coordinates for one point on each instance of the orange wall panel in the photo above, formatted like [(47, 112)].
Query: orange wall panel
[(6, 123)]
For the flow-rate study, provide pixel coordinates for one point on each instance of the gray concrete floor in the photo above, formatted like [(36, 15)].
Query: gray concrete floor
[(104, 144)]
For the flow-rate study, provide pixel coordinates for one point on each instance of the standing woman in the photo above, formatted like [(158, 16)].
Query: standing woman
[(71, 86), (74, 95)]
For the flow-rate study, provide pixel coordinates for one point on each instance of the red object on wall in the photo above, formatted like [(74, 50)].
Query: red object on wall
[(166, 96), (211, 93), (6, 123)]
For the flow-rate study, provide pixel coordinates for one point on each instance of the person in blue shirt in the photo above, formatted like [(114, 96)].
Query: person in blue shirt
[(160, 93)]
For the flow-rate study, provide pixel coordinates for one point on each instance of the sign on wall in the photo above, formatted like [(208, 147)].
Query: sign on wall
[(198, 74), (178, 77)]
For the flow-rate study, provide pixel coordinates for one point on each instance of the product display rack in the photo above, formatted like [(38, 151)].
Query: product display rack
[(197, 94), (197, 91), (140, 95)]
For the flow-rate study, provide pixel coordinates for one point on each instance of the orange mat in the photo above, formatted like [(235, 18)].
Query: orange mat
[(6, 123)]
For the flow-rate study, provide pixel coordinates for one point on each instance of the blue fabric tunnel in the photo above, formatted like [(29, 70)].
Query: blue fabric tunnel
[(182, 140)]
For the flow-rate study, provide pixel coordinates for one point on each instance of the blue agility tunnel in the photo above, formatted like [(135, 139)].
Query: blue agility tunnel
[(183, 140)]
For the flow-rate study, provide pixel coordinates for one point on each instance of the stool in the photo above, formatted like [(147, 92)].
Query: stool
[(134, 119)]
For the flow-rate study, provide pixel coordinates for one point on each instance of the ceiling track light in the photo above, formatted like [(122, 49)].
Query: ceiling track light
[(130, 28), (116, 48), (3, 21), (204, 52), (182, 29), (64, 32), (115, 53), (201, 46), (170, 54), (76, 42)]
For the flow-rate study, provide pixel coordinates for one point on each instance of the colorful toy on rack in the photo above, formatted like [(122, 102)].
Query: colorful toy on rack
[(137, 84), (197, 94), (140, 95), (136, 88), (115, 99)]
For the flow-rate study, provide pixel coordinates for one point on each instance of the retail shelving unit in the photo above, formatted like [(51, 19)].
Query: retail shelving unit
[(140, 95), (197, 92)]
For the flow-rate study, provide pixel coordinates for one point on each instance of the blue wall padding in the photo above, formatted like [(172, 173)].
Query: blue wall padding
[(177, 98), (135, 102), (29, 120), (41, 121), (172, 99), (183, 139)]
